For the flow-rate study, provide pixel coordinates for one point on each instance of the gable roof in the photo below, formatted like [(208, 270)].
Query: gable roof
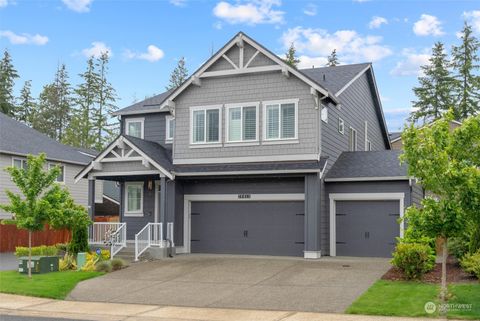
[(155, 151), (394, 136), (151, 104), (17, 138), (368, 166)]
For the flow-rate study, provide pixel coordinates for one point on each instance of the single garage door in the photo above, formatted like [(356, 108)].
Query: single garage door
[(258, 228), (366, 228)]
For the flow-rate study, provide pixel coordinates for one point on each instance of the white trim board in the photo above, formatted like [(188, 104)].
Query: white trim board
[(367, 179), (361, 197), (253, 172), (189, 198), (246, 159)]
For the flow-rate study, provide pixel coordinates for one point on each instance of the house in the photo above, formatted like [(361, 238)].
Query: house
[(18, 140), (252, 156)]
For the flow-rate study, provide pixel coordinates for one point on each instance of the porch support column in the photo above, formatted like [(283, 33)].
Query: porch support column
[(163, 198), (91, 198), (170, 205), (312, 216)]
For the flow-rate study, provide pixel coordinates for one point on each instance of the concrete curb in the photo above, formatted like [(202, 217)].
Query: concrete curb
[(39, 307)]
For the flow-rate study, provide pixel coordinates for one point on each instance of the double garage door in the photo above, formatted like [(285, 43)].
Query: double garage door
[(248, 227), (366, 228)]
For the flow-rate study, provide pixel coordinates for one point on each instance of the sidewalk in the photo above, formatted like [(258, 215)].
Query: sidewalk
[(38, 307)]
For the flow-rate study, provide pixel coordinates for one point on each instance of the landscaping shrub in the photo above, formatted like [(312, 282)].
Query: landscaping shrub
[(471, 264), (414, 259), (458, 247), (103, 266), (117, 264), (67, 263), (42, 250), (79, 242)]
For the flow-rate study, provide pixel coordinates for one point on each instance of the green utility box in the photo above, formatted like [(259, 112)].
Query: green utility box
[(39, 264)]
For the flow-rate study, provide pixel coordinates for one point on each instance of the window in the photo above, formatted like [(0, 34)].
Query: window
[(19, 163), (325, 115), (369, 145), (169, 128), (242, 121), (134, 127), (205, 125), (134, 199), (353, 140), (280, 120), (341, 126), (61, 176), (366, 136)]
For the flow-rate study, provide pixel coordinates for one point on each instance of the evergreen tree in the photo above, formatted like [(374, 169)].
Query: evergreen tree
[(106, 98), (333, 59), (44, 119), (8, 74), (179, 75), (291, 56), (434, 95), (26, 105), (465, 61)]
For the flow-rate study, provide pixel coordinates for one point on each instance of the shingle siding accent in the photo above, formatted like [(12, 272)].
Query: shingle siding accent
[(154, 127), (246, 88), (261, 60)]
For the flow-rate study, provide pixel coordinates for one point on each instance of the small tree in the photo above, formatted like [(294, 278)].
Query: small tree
[(291, 56), (179, 75), (446, 164), (333, 59), (26, 104), (39, 197)]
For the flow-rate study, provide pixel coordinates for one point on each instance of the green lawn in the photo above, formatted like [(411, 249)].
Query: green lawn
[(55, 285), (408, 299)]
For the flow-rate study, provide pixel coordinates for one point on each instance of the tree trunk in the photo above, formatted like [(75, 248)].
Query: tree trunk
[(444, 290), (30, 254)]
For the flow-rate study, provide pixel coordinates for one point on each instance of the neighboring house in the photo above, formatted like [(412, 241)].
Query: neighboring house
[(252, 156), (18, 140)]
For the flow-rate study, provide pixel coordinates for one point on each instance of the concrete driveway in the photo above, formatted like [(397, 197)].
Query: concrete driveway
[(8, 261), (242, 282)]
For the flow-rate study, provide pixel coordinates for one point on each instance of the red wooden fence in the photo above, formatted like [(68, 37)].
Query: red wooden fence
[(10, 237)]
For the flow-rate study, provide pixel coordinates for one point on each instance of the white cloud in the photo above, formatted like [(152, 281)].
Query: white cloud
[(250, 12), (78, 5), (411, 63), (24, 38), (97, 49), (218, 25), (153, 54), (310, 9), (309, 62), (473, 17), (350, 46), (3, 3), (361, 1), (179, 3), (428, 26), (377, 22)]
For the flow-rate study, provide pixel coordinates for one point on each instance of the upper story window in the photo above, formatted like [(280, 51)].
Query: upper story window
[(134, 199), (169, 128), (205, 126), (341, 126), (134, 127), (280, 119), (19, 163), (61, 177), (324, 114), (352, 140), (242, 122)]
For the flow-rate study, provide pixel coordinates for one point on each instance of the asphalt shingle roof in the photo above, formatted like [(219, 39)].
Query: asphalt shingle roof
[(19, 139), (394, 135), (147, 105), (154, 150), (367, 165)]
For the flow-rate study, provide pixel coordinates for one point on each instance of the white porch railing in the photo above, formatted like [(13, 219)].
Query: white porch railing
[(152, 235), (109, 234)]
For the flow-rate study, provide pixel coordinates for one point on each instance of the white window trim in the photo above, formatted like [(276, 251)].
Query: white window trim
[(205, 108), (350, 142), (341, 121), (369, 145), (126, 212), (50, 165), (168, 139), (366, 135), (264, 123), (227, 122), (135, 120), (22, 160), (324, 112)]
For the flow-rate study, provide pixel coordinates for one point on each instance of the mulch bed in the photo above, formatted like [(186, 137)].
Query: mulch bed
[(455, 274)]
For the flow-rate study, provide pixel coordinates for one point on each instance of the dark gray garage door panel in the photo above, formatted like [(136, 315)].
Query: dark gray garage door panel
[(366, 228), (261, 228)]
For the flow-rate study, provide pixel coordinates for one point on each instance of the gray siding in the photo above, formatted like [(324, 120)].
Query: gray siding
[(312, 213), (417, 193), (155, 129)]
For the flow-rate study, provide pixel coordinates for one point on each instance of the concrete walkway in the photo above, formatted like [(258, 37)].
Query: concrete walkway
[(14, 305), (238, 282)]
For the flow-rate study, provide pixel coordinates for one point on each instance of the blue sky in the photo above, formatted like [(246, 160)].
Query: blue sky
[(146, 38)]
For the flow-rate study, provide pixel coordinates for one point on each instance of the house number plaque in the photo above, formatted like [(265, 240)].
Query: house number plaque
[(244, 196)]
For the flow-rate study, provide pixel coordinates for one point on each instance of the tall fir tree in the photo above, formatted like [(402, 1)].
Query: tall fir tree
[(465, 61), (433, 94), (332, 59), (106, 98), (8, 74), (291, 56), (26, 104), (43, 119), (178, 75)]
